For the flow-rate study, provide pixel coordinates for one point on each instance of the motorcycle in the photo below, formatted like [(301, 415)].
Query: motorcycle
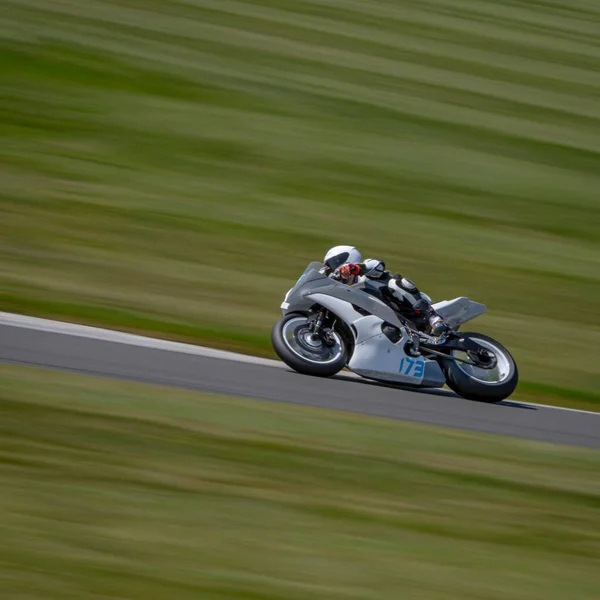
[(328, 326)]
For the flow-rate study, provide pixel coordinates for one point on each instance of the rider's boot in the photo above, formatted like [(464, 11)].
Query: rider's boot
[(437, 325)]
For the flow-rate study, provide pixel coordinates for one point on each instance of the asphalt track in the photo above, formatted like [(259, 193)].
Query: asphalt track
[(105, 353)]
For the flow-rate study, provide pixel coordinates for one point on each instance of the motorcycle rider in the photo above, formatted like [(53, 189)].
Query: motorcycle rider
[(345, 264)]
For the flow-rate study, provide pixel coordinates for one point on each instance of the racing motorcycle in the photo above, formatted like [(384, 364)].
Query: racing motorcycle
[(328, 326)]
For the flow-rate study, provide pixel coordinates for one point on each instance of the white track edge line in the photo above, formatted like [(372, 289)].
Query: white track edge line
[(131, 339)]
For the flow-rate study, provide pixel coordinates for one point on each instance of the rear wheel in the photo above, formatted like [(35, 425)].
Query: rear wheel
[(306, 353), (491, 381)]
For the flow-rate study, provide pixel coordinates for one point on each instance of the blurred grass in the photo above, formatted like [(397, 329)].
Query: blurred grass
[(171, 166), (113, 489)]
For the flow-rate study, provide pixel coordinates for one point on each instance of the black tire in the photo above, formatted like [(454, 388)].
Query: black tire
[(474, 389), (303, 365)]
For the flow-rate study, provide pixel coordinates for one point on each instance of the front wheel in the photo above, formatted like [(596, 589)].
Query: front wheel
[(492, 384), (298, 348)]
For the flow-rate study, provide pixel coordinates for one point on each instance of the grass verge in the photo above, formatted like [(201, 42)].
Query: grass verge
[(113, 489)]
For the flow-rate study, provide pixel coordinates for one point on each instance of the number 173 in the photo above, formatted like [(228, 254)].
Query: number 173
[(412, 367)]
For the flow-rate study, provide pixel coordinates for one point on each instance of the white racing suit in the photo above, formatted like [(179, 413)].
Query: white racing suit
[(401, 294)]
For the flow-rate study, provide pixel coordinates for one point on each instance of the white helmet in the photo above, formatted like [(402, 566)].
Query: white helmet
[(342, 255)]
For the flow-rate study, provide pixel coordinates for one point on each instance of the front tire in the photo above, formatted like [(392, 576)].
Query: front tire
[(294, 344), (483, 385)]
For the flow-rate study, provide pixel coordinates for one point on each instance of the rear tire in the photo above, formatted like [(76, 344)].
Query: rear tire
[(294, 346), (466, 382)]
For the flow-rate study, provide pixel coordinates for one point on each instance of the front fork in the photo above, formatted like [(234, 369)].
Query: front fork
[(319, 331)]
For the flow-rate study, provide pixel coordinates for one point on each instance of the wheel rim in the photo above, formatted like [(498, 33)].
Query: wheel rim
[(298, 338), (495, 376)]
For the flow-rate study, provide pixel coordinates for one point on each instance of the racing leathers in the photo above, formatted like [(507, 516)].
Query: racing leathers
[(398, 292)]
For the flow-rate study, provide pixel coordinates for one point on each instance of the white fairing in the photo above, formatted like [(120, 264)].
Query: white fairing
[(350, 316), (375, 356), (285, 304), (458, 311), (378, 358)]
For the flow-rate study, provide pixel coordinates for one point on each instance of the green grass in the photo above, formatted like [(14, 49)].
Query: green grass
[(171, 166), (121, 490)]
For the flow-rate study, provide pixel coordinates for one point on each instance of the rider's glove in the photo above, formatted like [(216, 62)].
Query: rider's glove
[(345, 272)]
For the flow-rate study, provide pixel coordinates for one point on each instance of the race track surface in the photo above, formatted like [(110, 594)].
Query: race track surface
[(223, 373)]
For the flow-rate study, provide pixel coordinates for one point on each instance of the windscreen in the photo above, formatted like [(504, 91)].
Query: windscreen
[(310, 273)]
